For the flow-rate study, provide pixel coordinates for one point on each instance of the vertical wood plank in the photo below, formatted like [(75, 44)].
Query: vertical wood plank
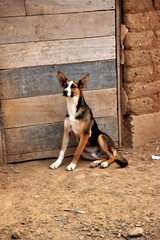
[(119, 71), (1, 147)]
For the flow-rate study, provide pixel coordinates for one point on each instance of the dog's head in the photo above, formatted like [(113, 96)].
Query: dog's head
[(71, 88)]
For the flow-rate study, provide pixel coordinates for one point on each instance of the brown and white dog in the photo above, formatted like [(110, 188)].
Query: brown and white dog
[(93, 144)]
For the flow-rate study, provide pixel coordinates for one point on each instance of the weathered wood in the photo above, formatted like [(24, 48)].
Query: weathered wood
[(38, 81), (119, 71), (33, 139), (77, 42), (109, 126), (1, 147), (36, 7), (38, 155), (52, 108), (56, 52), (10, 8), (56, 27), (43, 138)]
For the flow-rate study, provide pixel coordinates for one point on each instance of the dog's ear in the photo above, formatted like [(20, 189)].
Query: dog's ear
[(62, 78), (83, 81)]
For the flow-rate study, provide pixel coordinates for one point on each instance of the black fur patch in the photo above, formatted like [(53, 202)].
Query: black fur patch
[(93, 140), (122, 164), (81, 115)]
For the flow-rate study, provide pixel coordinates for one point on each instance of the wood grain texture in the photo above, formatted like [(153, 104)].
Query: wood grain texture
[(56, 52), (52, 108), (33, 139), (36, 139), (36, 7), (56, 27), (10, 8), (38, 81), (38, 155)]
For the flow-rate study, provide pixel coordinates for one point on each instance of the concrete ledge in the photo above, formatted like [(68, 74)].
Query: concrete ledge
[(145, 128)]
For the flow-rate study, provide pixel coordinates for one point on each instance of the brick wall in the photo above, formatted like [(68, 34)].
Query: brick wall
[(141, 75)]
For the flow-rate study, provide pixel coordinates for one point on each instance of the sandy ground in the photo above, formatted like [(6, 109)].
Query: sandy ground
[(43, 204)]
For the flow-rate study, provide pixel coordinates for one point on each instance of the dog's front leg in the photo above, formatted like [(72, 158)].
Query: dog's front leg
[(65, 141), (78, 152)]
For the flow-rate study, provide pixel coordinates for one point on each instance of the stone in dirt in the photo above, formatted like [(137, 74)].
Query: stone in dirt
[(15, 235), (136, 232)]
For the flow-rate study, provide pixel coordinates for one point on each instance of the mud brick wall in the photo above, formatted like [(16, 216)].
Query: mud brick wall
[(141, 71)]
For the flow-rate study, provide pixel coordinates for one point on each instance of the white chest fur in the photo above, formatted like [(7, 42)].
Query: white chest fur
[(72, 106), (72, 123)]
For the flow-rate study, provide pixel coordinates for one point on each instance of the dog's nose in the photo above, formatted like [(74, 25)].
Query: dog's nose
[(65, 92)]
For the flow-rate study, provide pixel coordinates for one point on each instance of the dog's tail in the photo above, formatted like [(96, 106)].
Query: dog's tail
[(120, 160)]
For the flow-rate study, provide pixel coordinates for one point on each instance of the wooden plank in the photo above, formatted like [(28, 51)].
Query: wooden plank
[(56, 52), (52, 108), (42, 138), (1, 147), (38, 155), (109, 126), (54, 27), (38, 81), (10, 8), (33, 139), (36, 7), (119, 71)]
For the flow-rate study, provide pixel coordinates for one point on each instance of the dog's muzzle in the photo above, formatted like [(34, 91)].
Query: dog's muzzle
[(65, 93)]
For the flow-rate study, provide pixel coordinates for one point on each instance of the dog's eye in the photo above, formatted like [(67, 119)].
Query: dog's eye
[(73, 86), (65, 85)]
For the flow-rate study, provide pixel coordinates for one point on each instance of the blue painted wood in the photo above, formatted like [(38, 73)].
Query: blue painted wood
[(48, 137), (40, 81)]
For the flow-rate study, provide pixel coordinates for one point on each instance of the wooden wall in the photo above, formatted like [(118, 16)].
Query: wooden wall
[(38, 38)]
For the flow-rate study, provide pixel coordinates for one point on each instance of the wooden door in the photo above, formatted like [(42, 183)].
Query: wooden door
[(37, 40)]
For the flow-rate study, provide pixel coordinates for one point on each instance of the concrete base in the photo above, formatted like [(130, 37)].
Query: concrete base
[(145, 128)]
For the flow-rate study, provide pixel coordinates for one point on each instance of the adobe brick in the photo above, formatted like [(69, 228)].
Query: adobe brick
[(145, 128), (142, 57), (137, 90), (157, 38), (156, 4), (155, 56), (137, 58), (142, 21), (159, 102), (137, 6), (143, 105), (157, 71), (157, 33), (138, 74), (142, 40)]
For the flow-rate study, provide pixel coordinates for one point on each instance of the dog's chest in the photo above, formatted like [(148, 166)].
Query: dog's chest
[(73, 123), (74, 126)]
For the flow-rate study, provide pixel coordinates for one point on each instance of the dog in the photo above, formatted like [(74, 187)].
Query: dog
[(93, 144)]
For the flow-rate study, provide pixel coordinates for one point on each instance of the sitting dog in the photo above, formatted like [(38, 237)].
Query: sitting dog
[(92, 143)]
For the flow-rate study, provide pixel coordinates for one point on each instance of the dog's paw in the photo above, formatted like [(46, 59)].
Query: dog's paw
[(104, 164), (71, 167), (56, 164), (95, 164)]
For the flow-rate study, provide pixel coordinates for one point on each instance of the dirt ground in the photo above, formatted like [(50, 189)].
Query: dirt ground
[(43, 204)]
